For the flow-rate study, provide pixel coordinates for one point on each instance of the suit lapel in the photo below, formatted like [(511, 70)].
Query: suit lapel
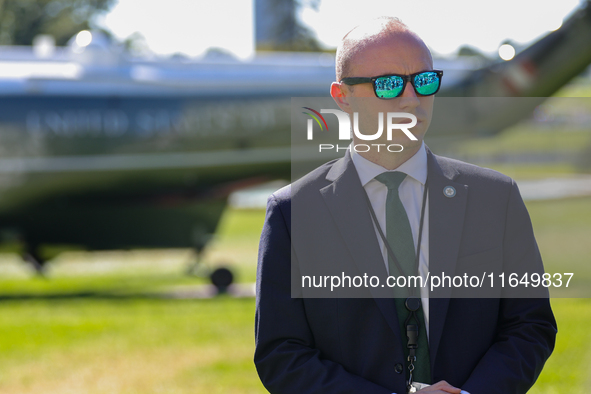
[(446, 218), (446, 221), (341, 196)]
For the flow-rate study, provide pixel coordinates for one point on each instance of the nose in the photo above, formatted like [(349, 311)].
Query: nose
[(409, 98)]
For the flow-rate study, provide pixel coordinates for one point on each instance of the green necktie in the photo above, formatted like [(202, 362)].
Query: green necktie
[(399, 236)]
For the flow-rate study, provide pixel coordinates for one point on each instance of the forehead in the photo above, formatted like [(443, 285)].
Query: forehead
[(395, 53)]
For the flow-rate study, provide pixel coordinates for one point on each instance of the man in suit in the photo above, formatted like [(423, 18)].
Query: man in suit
[(473, 219)]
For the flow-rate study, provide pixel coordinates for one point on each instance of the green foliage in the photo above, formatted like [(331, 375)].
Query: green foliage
[(468, 50), (286, 32), (22, 20)]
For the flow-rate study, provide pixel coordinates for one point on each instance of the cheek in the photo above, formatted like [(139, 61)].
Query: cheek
[(363, 90), (368, 124), (427, 107), (430, 101), (368, 121)]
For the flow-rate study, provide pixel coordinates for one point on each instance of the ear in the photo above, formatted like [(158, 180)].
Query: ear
[(339, 93)]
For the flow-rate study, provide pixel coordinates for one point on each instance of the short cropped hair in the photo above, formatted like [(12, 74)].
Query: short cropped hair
[(360, 36)]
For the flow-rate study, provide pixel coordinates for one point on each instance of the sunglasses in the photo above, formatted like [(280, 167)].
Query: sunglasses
[(425, 83)]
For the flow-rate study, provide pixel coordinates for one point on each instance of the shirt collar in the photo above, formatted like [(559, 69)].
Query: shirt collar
[(415, 167)]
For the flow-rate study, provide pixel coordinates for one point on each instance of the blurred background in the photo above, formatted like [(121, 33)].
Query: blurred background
[(139, 141)]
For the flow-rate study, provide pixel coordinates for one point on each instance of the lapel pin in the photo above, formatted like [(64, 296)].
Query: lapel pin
[(449, 191)]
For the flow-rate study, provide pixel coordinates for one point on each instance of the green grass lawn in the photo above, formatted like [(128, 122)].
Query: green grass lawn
[(569, 368), (135, 345), (98, 323), (93, 330)]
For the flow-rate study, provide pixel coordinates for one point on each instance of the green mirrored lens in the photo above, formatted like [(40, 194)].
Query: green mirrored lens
[(427, 83), (388, 87)]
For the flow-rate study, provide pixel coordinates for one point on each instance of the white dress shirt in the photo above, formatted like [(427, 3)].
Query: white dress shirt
[(411, 194)]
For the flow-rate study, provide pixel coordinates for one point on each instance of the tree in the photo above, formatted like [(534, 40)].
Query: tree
[(467, 50), (22, 20), (279, 29)]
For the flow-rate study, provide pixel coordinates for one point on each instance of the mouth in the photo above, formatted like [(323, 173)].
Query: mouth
[(407, 121)]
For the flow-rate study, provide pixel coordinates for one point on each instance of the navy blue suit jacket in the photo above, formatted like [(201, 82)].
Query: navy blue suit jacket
[(354, 345)]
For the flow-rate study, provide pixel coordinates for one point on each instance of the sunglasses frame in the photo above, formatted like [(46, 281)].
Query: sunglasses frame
[(406, 78)]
